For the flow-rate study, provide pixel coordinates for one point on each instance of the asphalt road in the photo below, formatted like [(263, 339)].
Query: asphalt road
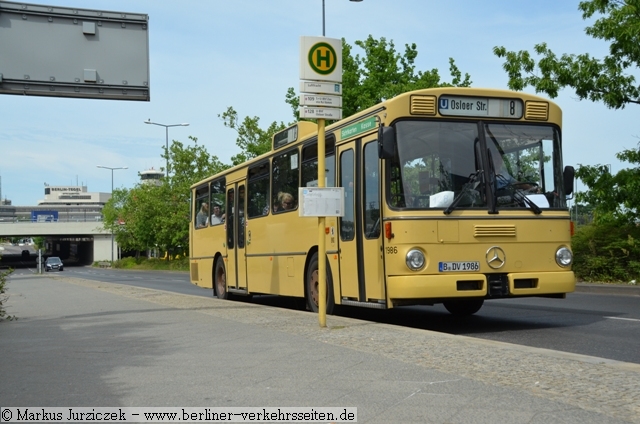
[(595, 324)]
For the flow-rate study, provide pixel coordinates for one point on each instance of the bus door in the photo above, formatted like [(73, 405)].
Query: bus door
[(361, 265), (235, 228)]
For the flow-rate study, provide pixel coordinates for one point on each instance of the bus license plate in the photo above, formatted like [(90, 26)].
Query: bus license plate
[(463, 266)]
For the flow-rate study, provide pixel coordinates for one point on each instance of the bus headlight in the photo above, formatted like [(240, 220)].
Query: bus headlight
[(415, 259), (564, 257)]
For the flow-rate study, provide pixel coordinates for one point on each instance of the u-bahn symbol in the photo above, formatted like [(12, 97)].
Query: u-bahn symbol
[(323, 58)]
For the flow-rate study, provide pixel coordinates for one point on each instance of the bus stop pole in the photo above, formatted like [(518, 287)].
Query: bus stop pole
[(322, 248)]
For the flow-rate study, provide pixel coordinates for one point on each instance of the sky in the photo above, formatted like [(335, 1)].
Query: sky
[(208, 55)]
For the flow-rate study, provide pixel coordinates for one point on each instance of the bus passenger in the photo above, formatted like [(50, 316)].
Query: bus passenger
[(216, 217), (203, 216), (285, 202)]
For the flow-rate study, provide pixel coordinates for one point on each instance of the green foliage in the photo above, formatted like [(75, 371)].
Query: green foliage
[(4, 296), (39, 242), (252, 140), (181, 264), (614, 197), (383, 73), (148, 216), (607, 252), (607, 80)]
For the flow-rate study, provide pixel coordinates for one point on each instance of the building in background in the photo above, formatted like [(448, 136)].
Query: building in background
[(68, 203), (151, 176), (60, 204)]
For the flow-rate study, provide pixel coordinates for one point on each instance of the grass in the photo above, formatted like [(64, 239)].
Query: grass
[(153, 264)]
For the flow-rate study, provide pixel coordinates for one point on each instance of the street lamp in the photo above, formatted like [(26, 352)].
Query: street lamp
[(112, 169), (166, 127), (355, 1)]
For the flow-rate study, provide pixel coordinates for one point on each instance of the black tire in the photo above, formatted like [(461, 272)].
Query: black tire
[(220, 280), (311, 289), (463, 307)]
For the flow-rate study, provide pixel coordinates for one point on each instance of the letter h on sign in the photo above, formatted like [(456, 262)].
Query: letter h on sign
[(323, 58)]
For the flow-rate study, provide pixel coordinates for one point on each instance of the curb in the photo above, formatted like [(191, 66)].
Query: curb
[(613, 289)]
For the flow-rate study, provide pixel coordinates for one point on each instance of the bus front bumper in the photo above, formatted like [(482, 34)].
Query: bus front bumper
[(476, 285)]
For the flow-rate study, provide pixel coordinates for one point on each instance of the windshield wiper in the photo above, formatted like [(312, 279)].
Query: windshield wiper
[(519, 195), (466, 188)]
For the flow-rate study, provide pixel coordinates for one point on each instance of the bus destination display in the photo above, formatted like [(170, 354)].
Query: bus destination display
[(285, 137), (480, 106)]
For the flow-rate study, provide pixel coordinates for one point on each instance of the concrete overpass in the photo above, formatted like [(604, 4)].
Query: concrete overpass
[(89, 239)]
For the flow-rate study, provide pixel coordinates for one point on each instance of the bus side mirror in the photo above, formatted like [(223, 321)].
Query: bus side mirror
[(568, 178), (386, 142)]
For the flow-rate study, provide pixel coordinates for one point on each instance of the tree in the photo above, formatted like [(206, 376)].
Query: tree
[(119, 218), (381, 73), (613, 197), (147, 216), (252, 140), (607, 252), (608, 80)]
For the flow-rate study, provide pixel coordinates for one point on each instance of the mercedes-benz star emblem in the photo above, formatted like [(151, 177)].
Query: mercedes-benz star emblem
[(496, 257)]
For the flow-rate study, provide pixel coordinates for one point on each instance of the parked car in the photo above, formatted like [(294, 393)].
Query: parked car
[(53, 263)]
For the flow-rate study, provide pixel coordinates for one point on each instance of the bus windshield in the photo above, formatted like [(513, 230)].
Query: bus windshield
[(440, 163)]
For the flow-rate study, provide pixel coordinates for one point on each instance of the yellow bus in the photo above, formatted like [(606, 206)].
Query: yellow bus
[(451, 195)]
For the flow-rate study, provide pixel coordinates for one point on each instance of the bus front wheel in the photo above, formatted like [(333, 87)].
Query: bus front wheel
[(220, 279), (463, 307), (312, 289)]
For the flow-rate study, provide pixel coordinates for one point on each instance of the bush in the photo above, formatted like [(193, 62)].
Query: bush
[(3, 296), (181, 264), (607, 252)]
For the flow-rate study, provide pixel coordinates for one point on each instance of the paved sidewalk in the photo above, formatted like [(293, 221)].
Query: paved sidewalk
[(85, 343)]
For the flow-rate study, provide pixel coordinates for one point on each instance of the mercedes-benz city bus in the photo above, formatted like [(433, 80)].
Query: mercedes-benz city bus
[(452, 196)]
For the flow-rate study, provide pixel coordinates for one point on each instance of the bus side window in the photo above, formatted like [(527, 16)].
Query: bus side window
[(241, 222), (217, 202), (310, 164), (371, 206), (229, 219), (286, 180), (347, 222), (258, 190), (201, 207)]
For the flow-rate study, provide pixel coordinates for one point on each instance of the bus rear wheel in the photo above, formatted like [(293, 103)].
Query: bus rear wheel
[(312, 286), (220, 279), (463, 307)]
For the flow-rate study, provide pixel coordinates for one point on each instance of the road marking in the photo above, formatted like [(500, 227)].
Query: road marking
[(624, 319)]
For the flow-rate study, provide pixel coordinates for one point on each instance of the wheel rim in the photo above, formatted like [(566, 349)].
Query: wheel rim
[(314, 292)]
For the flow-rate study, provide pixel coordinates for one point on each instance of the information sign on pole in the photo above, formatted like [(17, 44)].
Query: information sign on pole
[(317, 201), (321, 113), (320, 87), (320, 100), (321, 59), (321, 65)]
